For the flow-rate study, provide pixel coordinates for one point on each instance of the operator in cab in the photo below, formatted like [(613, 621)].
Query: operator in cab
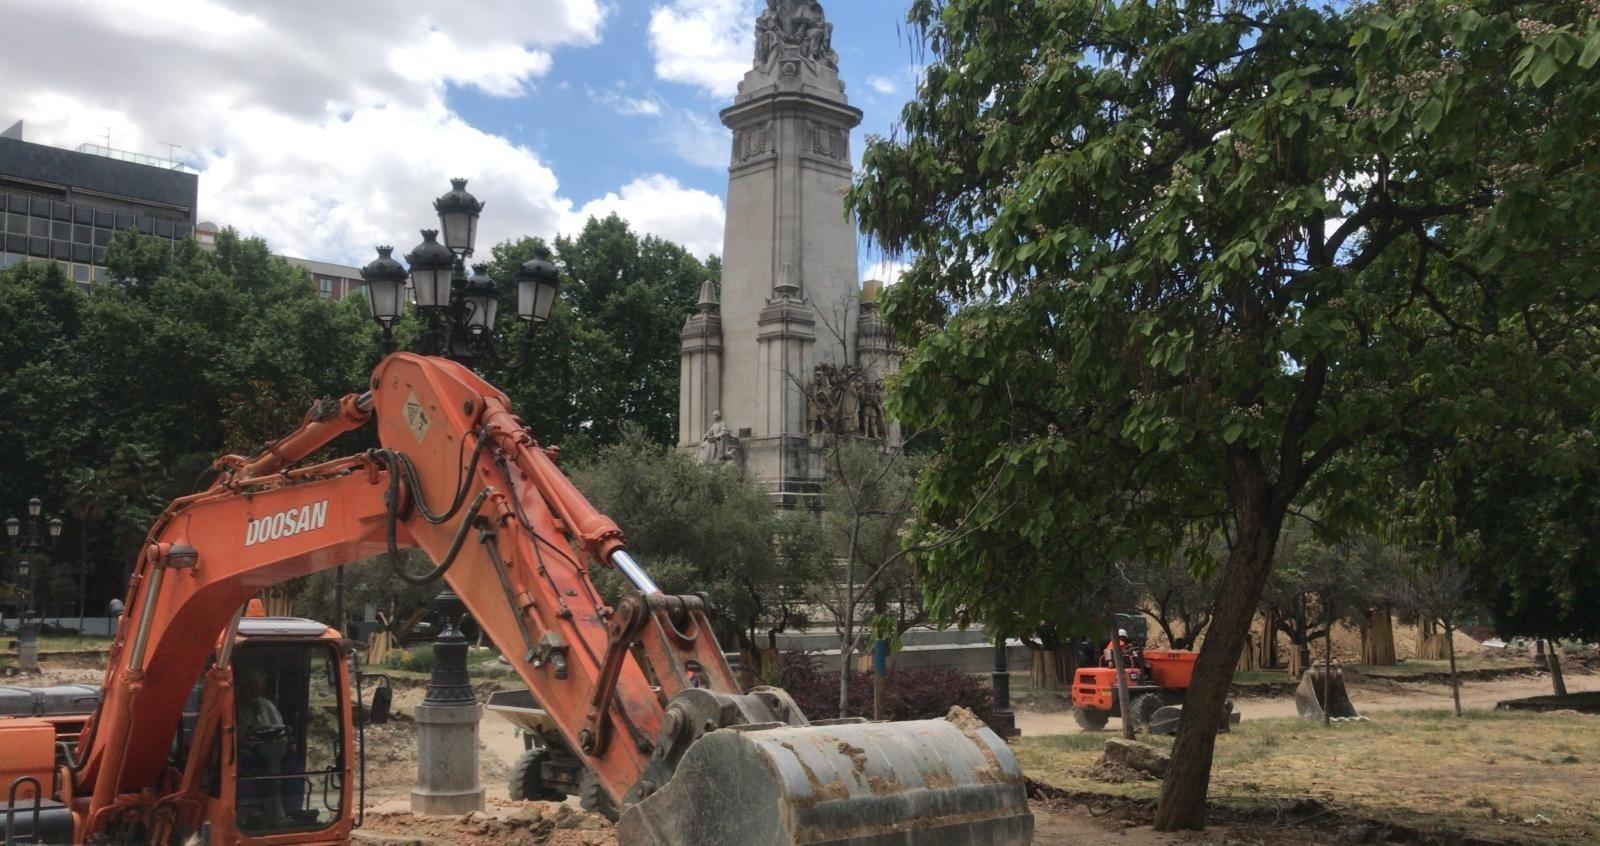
[(263, 746), (1121, 642)]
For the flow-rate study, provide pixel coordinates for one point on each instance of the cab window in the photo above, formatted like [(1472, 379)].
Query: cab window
[(289, 738)]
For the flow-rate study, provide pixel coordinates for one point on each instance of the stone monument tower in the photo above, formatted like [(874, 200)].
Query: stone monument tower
[(782, 342)]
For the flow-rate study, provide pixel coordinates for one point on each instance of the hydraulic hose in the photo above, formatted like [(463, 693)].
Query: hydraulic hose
[(400, 466)]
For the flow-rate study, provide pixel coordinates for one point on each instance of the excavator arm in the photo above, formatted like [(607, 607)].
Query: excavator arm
[(640, 689)]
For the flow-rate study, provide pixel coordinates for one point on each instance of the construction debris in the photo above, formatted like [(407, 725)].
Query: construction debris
[(1136, 756), (515, 824)]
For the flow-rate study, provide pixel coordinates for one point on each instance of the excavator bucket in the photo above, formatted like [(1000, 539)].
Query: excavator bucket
[(925, 783), (1322, 690)]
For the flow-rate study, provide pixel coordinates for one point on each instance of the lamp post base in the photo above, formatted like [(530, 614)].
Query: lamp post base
[(28, 647)]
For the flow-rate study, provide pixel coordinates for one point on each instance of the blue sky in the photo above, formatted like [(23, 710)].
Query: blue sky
[(327, 127), (576, 118)]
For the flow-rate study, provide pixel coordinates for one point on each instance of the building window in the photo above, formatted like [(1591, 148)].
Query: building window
[(325, 287), (102, 237), (8, 259), (39, 227), (80, 272), (61, 231), (17, 224), (101, 275), (82, 234)]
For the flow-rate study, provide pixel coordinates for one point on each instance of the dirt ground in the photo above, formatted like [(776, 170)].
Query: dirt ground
[(1490, 779)]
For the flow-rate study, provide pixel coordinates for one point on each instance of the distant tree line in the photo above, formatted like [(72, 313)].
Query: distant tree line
[(116, 400)]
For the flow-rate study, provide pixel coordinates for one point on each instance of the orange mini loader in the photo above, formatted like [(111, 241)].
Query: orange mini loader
[(1157, 681)]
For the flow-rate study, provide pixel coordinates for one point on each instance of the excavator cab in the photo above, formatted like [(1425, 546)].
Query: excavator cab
[(290, 718), (281, 763)]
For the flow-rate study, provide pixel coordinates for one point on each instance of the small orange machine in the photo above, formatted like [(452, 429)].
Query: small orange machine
[(1157, 678)]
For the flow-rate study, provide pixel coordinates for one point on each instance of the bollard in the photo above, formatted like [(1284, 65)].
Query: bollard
[(1004, 722), (447, 726), (28, 647), (880, 676)]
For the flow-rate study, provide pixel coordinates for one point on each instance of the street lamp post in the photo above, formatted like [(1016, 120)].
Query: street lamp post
[(458, 310), (460, 313), (23, 546)]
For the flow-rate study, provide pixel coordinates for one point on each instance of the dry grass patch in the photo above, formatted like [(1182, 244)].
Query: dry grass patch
[(1525, 777)]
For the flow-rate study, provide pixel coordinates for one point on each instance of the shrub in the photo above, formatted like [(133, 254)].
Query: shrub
[(911, 693), (419, 660)]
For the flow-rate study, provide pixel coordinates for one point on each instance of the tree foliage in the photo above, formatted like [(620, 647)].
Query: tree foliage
[(702, 529), (1318, 580), (115, 400), (1171, 259), (610, 352)]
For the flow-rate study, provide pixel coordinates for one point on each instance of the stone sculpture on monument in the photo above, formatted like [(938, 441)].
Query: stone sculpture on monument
[(714, 446)]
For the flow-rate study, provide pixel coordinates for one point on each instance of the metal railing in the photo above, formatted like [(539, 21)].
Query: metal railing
[(134, 158)]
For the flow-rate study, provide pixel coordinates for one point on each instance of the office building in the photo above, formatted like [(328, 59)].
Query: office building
[(65, 205)]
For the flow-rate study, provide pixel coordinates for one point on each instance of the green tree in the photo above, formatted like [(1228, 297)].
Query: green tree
[(703, 529), (1318, 580), (117, 399), (1170, 259), (867, 503), (610, 353)]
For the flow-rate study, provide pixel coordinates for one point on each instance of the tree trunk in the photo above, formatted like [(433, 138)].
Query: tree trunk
[(1424, 633), (1249, 657), (1377, 642), (1183, 792), (1269, 641), (1327, 673), (1051, 668), (1455, 682), (1119, 662), (1557, 679), (848, 643)]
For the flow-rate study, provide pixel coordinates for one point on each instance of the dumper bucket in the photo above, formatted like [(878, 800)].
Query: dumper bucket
[(1321, 690), (925, 783)]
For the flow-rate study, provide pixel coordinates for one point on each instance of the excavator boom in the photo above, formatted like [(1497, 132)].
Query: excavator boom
[(639, 688)]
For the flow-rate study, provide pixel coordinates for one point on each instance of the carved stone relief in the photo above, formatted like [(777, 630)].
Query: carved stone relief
[(752, 142), (829, 142)]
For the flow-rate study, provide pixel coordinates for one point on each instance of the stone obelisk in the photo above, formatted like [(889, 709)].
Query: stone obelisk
[(790, 293)]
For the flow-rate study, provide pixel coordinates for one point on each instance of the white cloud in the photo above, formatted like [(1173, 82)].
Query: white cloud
[(882, 84), (500, 71), (662, 206), (619, 100), (887, 271), (699, 141), (320, 126), (707, 43), (633, 106)]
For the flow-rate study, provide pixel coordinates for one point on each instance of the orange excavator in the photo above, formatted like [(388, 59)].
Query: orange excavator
[(216, 727)]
